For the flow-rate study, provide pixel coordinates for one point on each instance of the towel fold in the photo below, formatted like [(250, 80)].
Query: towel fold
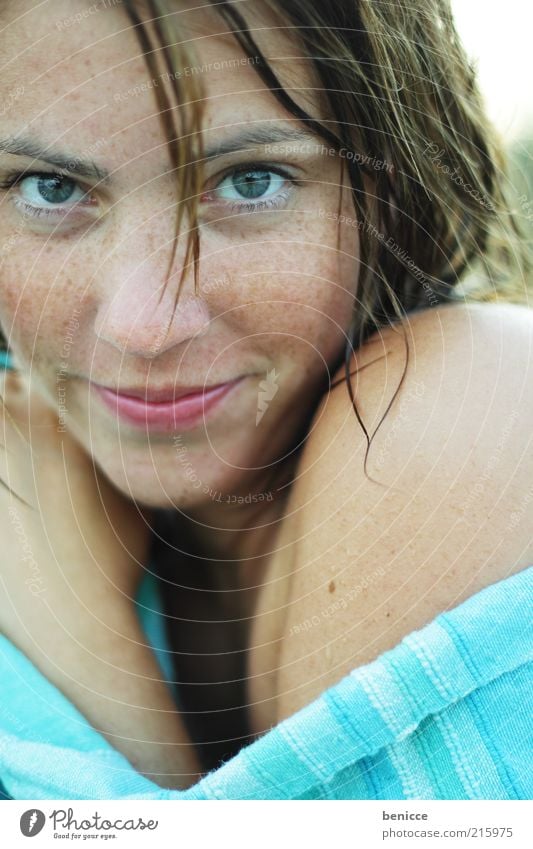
[(443, 715)]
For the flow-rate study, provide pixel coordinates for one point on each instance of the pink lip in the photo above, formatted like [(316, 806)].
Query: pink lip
[(164, 410)]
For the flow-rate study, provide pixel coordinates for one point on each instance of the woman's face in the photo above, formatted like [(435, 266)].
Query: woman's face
[(85, 297)]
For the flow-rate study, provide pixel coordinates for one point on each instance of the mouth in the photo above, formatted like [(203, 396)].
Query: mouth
[(167, 409)]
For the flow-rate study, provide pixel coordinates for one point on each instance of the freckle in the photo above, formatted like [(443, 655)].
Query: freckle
[(331, 587)]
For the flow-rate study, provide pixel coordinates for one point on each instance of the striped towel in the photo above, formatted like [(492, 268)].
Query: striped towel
[(443, 715)]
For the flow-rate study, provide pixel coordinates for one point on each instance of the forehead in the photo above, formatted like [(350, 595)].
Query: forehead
[(73, 73)]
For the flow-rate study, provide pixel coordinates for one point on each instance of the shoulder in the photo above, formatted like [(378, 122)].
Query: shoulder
[(460, 374), (446, 503), (447, 366), (436, 395)]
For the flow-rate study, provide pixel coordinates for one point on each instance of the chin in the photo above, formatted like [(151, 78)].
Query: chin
[(153, 490)]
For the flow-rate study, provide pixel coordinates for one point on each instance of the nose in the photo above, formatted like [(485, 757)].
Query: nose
[(137, 311)]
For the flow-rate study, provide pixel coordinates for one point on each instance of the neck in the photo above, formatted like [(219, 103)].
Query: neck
[(224, 545), (236, 541)]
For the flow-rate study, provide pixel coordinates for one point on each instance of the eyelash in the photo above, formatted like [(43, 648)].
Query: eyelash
[(12, 180), (259, 205)]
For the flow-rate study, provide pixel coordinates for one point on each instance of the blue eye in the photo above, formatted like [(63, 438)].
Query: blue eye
[(49, 190), (253, 184)]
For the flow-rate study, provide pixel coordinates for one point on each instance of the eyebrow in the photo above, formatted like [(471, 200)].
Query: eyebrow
[(258, 137), (73, 164)]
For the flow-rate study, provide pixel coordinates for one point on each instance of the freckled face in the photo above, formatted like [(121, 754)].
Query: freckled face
[(84, 260)]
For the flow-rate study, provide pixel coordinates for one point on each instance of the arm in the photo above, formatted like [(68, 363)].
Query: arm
[(72, 559), (453, 457)]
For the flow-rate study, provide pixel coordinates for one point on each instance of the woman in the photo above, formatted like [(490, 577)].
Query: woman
[(254, 435)]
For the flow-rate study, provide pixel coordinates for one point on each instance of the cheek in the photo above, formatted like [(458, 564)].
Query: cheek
[(296, 295), (20, 306), (34, 305)]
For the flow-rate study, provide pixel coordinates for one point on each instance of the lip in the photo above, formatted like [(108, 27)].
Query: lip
[(164, 410)]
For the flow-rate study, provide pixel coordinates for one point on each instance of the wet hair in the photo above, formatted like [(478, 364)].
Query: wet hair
[(425, 167), (407, 119)]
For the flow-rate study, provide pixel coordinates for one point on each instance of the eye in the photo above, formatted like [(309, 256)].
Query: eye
[(51, 199), (252, 184), (48, 191)]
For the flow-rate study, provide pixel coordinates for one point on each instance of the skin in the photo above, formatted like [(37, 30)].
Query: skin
[(70, 567), (83, 296), (445, 511), (285, 303), (248, 319)]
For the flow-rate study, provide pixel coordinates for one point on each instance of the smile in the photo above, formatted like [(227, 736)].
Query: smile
[(164, 410)]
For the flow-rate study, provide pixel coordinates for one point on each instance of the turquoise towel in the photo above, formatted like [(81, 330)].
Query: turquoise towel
[(444, 715), (5, 360)]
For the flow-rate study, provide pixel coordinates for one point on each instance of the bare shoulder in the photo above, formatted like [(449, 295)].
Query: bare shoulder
[(445, 506)]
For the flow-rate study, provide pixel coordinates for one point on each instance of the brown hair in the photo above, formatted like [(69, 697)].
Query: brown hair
[(400, 91)]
